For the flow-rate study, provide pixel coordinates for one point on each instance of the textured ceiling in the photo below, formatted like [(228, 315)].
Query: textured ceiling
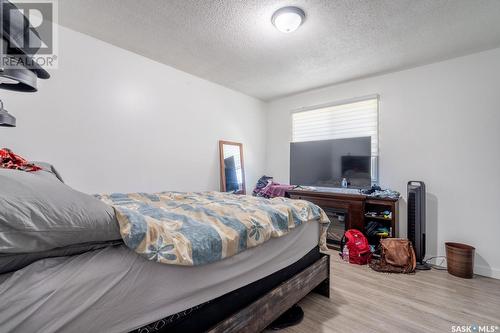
[(233, 43)]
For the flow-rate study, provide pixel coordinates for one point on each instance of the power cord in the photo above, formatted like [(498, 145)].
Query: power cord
[(438, 267)]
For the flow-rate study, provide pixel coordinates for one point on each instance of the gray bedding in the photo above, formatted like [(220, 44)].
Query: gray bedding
[(39, 213), (47, 167), (10, 262), (116, 290)]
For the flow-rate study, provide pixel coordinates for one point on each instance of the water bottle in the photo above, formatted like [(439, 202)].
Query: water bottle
[(345, 254), (344, 183)]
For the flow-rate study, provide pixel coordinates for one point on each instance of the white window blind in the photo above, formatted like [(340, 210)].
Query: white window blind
[(349, 120)]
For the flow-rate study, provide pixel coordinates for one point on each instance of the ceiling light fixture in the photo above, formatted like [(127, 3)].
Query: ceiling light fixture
[(288, 19), (17, 78)]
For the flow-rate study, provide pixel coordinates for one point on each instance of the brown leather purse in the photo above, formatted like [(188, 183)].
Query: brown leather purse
[(397, 256)]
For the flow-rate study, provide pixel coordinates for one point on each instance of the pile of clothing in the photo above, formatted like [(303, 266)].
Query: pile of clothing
[(267, 188), (377, 192), (9, 160)]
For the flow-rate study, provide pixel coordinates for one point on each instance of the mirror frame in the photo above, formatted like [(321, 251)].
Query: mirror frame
[(222, 173)]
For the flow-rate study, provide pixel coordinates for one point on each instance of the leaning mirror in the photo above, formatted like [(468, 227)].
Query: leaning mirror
[(232, 171)]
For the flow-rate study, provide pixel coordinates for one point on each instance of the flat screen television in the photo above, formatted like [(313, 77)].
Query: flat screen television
[(324, 163)]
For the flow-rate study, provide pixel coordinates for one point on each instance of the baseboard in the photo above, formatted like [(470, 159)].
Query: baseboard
[(484, 271), (487, 271)]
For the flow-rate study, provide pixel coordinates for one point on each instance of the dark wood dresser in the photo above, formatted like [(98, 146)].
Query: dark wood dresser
[(352, 211)]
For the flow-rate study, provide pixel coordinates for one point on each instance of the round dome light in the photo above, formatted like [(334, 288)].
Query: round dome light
[(288, 19)]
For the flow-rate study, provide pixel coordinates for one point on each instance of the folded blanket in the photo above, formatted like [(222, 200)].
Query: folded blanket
[(200, 228)]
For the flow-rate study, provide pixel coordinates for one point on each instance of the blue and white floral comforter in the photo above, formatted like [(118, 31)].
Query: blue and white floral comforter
[(200, 228)]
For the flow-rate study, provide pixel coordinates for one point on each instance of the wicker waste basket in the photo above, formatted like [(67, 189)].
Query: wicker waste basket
[(460, 260)]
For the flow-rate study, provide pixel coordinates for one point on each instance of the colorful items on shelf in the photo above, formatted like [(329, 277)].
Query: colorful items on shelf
[(374, 228), (385, 214)]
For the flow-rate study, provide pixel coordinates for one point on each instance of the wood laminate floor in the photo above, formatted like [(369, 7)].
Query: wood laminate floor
[(429, 301)]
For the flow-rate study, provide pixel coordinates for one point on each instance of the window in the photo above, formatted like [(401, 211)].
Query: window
[(340, 121)]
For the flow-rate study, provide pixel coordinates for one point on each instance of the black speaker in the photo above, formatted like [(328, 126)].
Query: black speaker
[(416, 220)]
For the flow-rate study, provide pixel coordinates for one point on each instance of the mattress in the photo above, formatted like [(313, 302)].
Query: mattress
[(116, 290)]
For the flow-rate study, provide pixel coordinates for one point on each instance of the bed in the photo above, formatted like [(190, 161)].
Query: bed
[(114, 289)]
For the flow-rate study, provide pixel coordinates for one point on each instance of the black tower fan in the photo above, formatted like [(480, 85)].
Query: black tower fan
[(416, 221)]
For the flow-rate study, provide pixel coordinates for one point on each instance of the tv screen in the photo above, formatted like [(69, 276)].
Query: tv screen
[(324, 163), (231, 175)]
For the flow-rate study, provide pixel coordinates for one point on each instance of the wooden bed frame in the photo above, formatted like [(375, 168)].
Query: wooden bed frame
[(259, 314), (265, 304)]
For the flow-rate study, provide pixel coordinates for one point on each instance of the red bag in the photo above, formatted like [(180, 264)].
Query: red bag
[(357, 244)]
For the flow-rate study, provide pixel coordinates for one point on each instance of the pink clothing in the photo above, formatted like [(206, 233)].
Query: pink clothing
[(273, 190)]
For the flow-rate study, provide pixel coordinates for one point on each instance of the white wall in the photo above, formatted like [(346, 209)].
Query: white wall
[(111, 120), (439, 123)]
